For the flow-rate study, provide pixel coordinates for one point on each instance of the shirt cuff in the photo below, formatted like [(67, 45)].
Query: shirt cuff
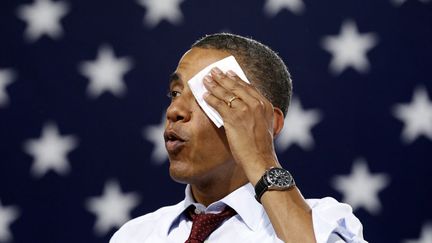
[(331, 217)]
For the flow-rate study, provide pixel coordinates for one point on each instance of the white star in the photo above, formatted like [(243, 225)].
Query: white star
[(298, 126), (361, 188), (113, 208), (273, 7), (417, 116), (106, 73), (50, 151), (6, 78), (43, 18), (158, 10), (7, 216), (398, 3), (349, 48), (154, 134), (426, 235)]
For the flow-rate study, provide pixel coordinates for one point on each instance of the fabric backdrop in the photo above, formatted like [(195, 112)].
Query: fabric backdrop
[(83, 92)]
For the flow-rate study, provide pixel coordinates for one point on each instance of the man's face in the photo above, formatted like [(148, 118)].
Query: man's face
[(198, 151)]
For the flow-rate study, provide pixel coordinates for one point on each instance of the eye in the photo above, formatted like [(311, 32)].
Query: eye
[(173, 94)]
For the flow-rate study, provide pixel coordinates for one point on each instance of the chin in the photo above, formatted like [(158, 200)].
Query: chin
[(180, 171)]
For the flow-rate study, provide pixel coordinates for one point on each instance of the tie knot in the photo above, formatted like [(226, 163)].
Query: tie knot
[(204, 224)]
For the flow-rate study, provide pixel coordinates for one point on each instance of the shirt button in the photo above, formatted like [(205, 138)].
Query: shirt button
[(197, 211)]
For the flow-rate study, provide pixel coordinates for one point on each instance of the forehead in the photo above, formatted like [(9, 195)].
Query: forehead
[(196, 59)]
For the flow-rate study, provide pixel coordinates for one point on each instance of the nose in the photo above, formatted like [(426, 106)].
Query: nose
[(179, 110)]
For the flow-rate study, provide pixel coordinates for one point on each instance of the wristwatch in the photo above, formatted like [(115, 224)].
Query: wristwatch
[(273, 179)]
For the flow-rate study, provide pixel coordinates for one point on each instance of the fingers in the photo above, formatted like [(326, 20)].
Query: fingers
[(233, 84), (217, 90), (224, 87), (220, 98), (220, 105)]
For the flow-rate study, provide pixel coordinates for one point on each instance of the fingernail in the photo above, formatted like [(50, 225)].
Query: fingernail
[(206, 94), (208, 79), (231, 74), (216, 70)]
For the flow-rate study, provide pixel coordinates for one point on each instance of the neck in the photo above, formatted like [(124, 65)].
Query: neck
[(215, 189)]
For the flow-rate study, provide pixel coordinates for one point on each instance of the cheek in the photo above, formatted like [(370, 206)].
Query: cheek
[(212, 141), (208, 130)]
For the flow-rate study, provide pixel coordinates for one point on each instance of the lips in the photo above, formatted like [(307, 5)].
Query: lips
[(174, 141)]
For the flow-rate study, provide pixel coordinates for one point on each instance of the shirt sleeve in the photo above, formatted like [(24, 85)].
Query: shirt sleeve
[(335, 222), (114, 238)]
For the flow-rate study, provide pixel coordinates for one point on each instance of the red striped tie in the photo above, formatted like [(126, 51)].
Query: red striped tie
[(204, 224)]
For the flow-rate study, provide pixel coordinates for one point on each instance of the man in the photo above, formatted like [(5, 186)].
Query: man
[(234, 170)]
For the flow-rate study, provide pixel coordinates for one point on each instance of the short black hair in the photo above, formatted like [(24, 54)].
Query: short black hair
[(263, 67)]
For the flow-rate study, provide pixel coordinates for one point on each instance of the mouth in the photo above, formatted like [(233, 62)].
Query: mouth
[(173, 142)]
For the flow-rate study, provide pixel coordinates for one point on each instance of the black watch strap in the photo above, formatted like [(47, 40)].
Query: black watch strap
[(260, 188)]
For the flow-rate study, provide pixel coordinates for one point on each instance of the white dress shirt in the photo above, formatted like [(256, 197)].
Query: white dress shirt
[(332, 221)]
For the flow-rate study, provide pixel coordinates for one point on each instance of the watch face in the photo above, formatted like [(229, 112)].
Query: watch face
[(279, 177)]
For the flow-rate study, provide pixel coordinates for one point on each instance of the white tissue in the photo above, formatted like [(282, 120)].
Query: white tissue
[(198, 88)]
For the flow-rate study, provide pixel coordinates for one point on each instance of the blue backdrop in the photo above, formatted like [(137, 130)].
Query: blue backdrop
[(82, 96)]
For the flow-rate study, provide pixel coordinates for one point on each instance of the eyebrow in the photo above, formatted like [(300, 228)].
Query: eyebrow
[(174, 78)]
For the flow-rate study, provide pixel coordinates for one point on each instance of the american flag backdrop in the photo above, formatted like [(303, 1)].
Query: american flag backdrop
[(83, 93)]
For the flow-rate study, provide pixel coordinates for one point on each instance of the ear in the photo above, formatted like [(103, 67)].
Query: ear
[(278, 121)]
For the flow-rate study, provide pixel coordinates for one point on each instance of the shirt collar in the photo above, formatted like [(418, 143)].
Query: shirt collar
[(242, 200), (244, 203)]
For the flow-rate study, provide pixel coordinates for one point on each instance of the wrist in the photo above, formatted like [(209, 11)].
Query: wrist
[(256, 169)]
